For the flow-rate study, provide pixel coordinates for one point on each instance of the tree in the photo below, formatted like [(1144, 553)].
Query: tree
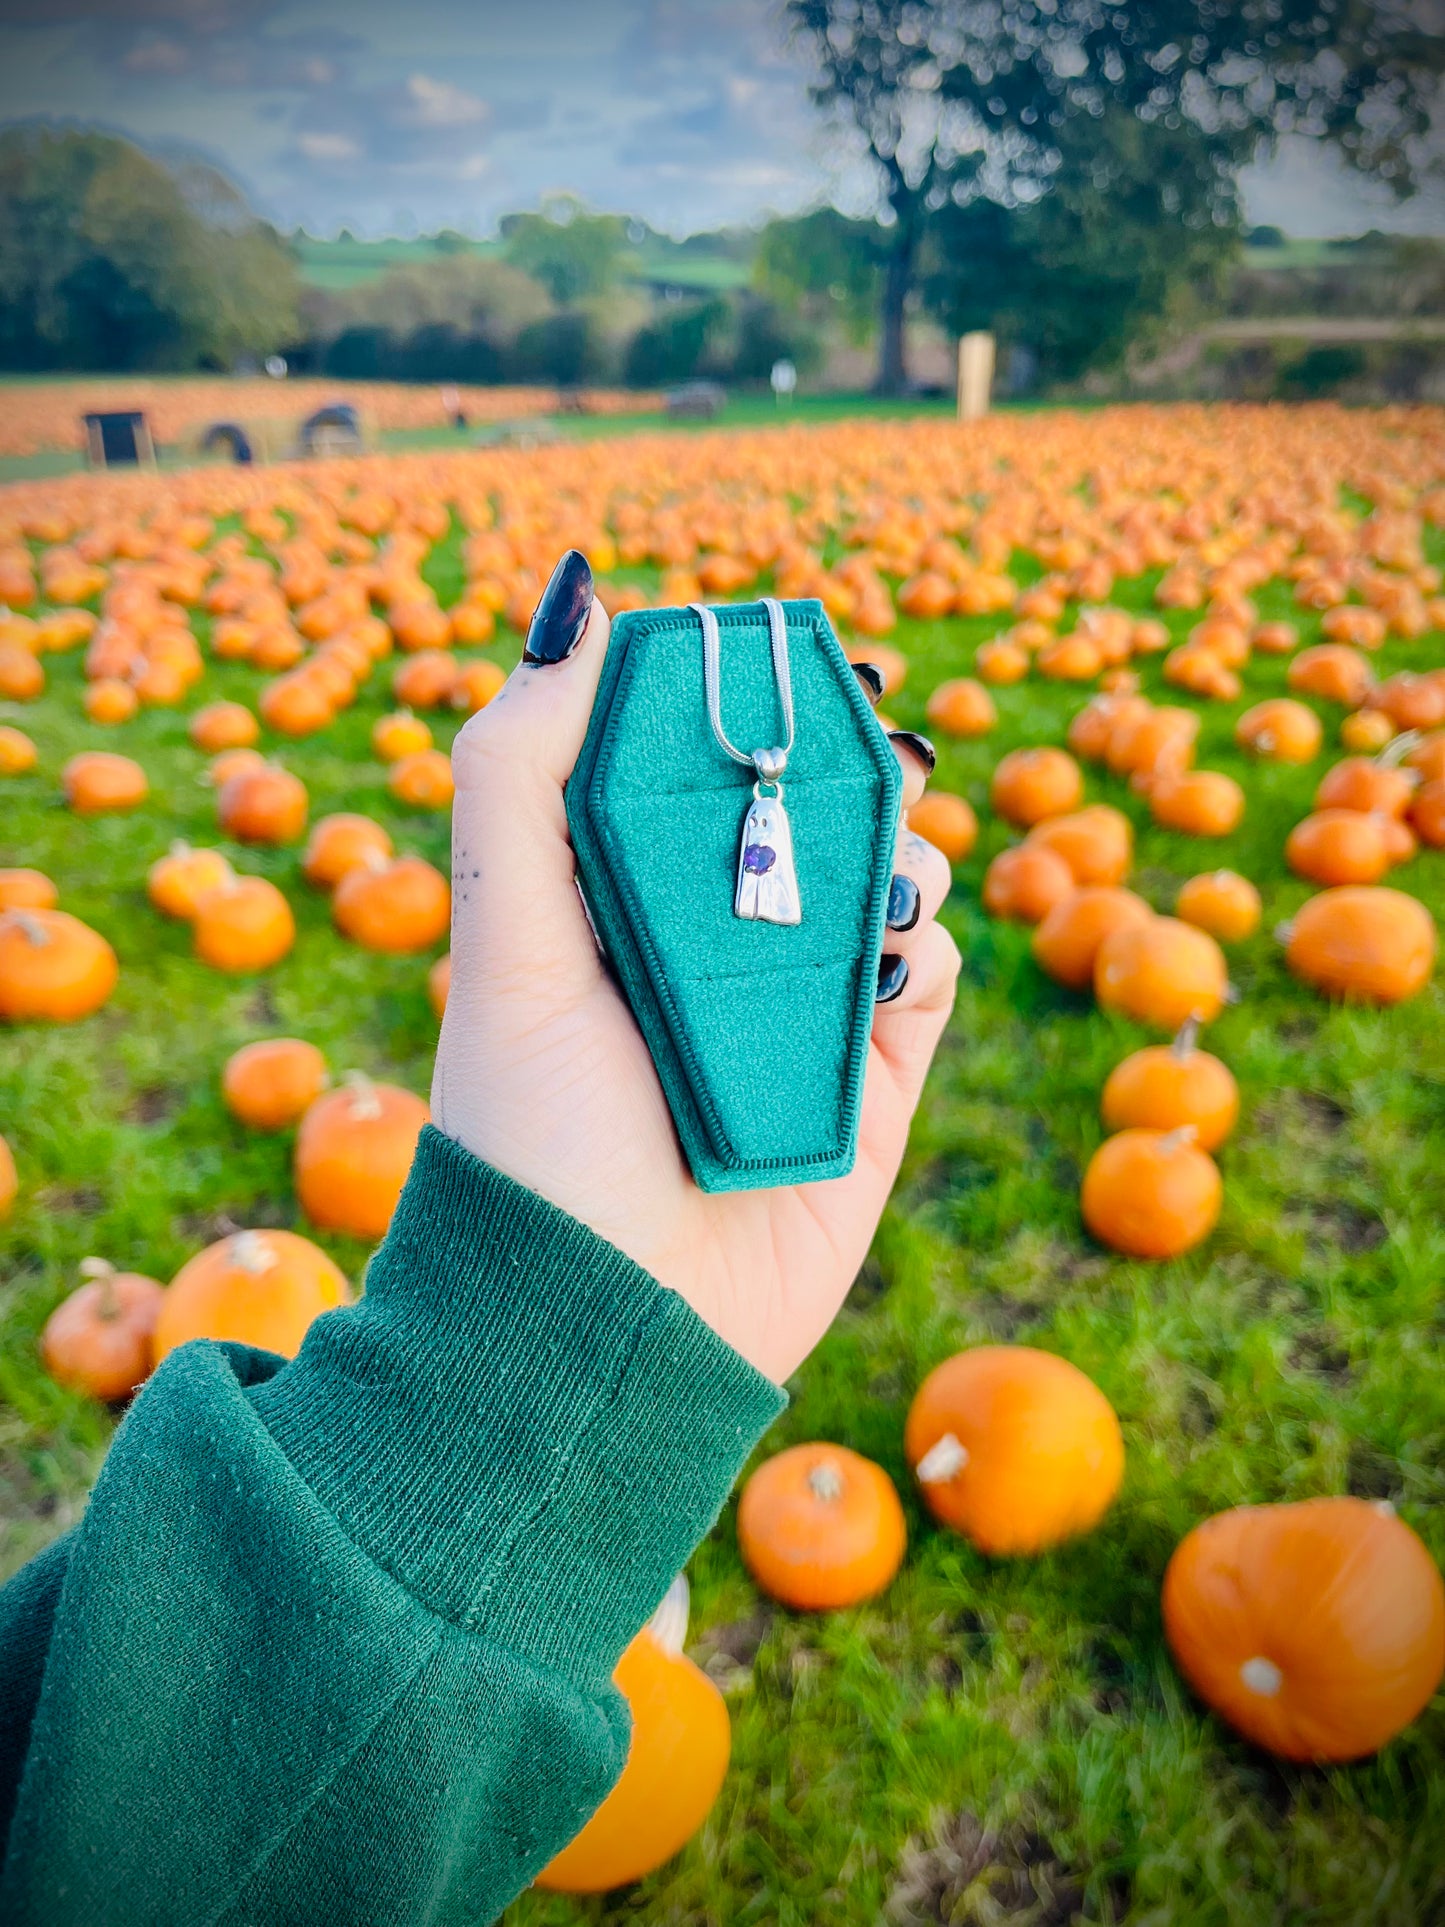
[(572, 253), (109, 260), (956, 101), (824, 266)]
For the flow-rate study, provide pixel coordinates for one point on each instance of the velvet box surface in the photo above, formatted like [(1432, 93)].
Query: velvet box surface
[(759, 1031)]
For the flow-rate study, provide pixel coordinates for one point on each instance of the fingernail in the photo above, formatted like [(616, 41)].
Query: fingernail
[(892, 976), (916, 745), (560, 617), (871, 677), (904, 903)]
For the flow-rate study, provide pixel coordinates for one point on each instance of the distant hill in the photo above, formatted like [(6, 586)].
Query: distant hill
[(703, 264)]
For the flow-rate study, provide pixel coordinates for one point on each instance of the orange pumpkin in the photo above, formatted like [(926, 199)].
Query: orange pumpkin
[(1363, 942), (353, 1152), (110, 701), (1163, 972), (1411, 702), (340, 843), (268, 1085), (400, 734), (176, 882), (476, 684), (259, 1288), (1166, 1086), (423, 779), (27, 890), (946, 821), (1280, 729), (821, 1527), (1015, 1448), (223, 725), (245, 925), (676, 1763), (1362, 783), (21, 677), (1198, 802), (425, 680), (18, 754), (1097, 843), (97, 781), (1031, 784), (1427, 813), (1000, 662), (1024, 883), (1332, 671), (1222, 902), (1151, 1194), (98, 1340), (1366, 730), (438, 985), (53, 967), (399, 907), (961, 708), (1316, 1629), (234, 762), (295, 705), (1338, 846), (1067, 941), (1427, 756), (1089, 732), (265, 805), (1161, 739)]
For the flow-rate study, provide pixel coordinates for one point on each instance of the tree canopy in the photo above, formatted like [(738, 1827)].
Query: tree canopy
[(108, 260), (572, 253)]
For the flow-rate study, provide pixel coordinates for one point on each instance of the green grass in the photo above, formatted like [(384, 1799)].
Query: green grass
[(344, 263), (1296, 1353)]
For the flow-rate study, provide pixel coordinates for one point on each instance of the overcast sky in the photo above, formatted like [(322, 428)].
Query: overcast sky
[(392, 116)]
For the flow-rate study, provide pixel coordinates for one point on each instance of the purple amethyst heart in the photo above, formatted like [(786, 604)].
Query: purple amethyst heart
[(758, 859)]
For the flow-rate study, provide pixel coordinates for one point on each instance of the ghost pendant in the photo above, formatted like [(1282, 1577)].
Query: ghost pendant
[(767, 887)]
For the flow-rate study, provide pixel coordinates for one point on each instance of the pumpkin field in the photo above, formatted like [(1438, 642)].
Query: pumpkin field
[(1184, 670)]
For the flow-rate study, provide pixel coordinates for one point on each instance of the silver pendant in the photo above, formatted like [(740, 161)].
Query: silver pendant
[(767, 888)]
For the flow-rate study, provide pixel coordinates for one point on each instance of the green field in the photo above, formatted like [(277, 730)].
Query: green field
[(990, 1742), (347, 262)]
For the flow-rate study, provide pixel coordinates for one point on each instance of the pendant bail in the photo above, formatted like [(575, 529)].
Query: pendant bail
[(770, 764)]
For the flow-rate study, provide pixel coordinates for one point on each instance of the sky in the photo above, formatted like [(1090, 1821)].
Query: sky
[(404, 116)]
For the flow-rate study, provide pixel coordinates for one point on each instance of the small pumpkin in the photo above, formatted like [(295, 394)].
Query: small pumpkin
[(1067, 941), (110, 701), (946, 821), (1222, 902), (426, 680), (98, 1340), (244, 925), (676, 1763), (1026, 882), (270, 1084), (1197, 802), (476, 684), (1097, 843), (1166, 1086), (1031, 784), (223, 725), (1161, 972), (962, 707), (820, 1527), (265, 805), (1427, 813), (1368, 784), (1363, 941), (1365, 730), (1089, 732), (340, 843), (399, 734), (98, 781), (233, 762), (53, 967), (1316, 1629), (398, 907), (27, 890), (1338, 846), (1161, 739), (1280, 729), (1151, 1194), (259, 1288), (176, 882), (22, 679), (1000, 662), (1333, 671), (353, 1152), (438, 985), (18, 755), (295, 704), (423, 780), (1015, 1448)]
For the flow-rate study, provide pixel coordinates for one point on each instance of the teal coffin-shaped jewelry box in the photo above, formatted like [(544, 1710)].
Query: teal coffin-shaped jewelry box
[(759, 1028)]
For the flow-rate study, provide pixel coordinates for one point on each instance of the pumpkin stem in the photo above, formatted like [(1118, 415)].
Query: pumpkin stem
[(251, 1251), (1185, 1039), (1398, 748), (942, 1462), (1283, 933), (668, 1625), (1176, 1139), (101, 1271), (364, 1100), (1262, 1676), (180, 847), (31, 928), (825, 1482)]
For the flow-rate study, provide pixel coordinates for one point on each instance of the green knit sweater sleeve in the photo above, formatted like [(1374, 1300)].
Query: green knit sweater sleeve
[(334, 1640)]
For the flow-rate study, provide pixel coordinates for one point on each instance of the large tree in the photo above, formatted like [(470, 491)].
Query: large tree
[(110, 260), (572, 253), (956, 101)]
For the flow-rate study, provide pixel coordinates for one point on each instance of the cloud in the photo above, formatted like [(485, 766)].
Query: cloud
[(440, 103), (328, 147)]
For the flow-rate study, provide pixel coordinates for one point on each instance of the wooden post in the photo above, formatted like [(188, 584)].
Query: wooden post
[(975, 375)]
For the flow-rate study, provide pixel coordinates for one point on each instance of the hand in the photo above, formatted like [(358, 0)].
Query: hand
[(542, 1072)]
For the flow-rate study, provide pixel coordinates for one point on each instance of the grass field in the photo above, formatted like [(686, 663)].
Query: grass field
[(990, 1742)]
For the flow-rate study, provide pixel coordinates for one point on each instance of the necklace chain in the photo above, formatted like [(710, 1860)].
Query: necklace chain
[(775, 759)]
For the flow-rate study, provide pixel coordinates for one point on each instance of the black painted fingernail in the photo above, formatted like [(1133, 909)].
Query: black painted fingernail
[(904, 903), (892, 976), (916, 745), (560, 617), (871, 677)]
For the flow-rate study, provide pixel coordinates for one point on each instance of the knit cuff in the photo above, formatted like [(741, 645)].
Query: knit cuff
[(517, 1422)]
